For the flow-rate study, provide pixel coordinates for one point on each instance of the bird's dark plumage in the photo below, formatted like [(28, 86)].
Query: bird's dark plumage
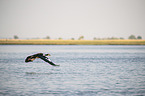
[(41, 56)]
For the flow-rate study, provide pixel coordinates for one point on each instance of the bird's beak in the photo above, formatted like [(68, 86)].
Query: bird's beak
[(47, 55)]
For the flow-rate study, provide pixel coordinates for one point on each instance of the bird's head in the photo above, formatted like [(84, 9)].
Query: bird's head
[(47, 55)]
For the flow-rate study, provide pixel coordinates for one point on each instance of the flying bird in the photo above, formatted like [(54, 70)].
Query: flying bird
[(41, 56)]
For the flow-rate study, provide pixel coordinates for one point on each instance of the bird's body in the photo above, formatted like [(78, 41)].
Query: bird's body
[(33, 57), (41, 56)]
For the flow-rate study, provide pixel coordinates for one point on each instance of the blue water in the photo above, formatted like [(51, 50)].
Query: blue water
[(106, 70)]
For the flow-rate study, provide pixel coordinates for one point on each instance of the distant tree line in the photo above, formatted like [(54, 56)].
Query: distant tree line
[(115, 38), (109, 38), (82, 38), (133, 37)]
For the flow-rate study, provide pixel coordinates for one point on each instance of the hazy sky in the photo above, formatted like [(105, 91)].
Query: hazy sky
[(72, 18)]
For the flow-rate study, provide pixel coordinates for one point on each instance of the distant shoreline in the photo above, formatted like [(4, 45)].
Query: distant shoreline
[(69, 42)]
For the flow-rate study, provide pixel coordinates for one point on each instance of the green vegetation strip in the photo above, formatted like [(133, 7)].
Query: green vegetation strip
[(69, 42)]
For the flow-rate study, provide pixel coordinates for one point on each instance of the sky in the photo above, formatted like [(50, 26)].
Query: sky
[(72, 18)]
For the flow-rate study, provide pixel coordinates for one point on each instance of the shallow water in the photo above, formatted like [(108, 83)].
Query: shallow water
[(84, 71)]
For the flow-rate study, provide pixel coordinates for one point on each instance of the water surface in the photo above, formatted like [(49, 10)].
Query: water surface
[(106, 70)]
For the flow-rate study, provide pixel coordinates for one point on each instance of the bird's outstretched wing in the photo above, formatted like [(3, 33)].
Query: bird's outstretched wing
[(47, 60)]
